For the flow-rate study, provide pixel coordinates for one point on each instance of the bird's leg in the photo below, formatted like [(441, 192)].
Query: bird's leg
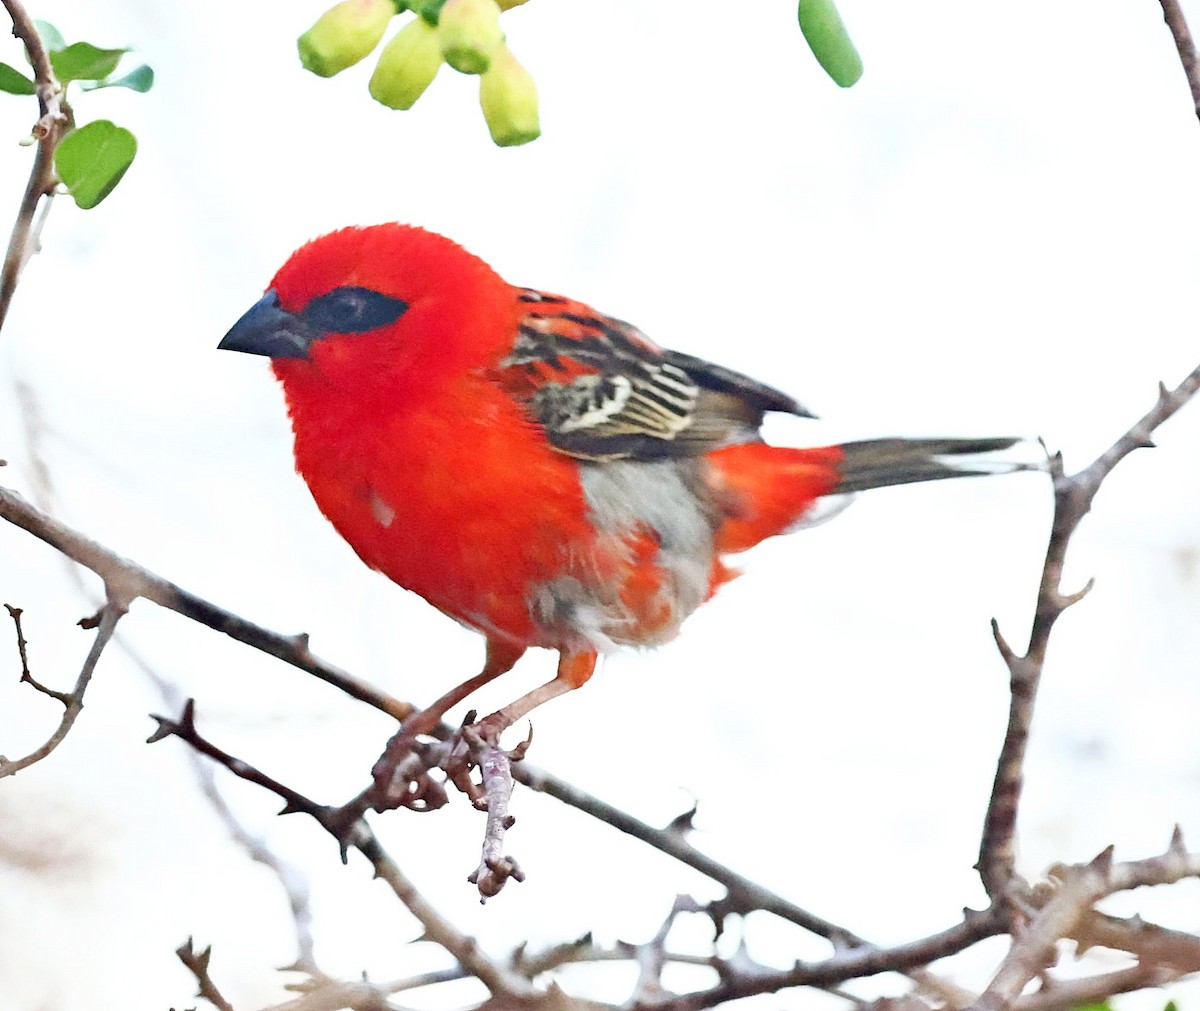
[(574, 669), (501, 656), (400, 765)]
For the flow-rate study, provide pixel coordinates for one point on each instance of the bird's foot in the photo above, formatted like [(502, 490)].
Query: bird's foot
[(475, 745), (402, 777)]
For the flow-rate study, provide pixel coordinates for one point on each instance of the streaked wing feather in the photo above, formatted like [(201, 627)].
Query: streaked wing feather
[(603, 390)]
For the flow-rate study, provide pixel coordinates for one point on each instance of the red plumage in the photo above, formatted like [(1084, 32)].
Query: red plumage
[(541, 472)]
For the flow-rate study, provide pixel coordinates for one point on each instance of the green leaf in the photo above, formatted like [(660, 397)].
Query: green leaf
[(91, 160), (827, 37), (14, 82), (139, 79), (51, 37), (84, 62)]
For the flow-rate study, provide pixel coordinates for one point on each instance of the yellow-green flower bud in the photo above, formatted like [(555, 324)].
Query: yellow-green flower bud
[(509, 101), (827, 37), (506, 5), (344, 34), (469, 31), (407, 65)]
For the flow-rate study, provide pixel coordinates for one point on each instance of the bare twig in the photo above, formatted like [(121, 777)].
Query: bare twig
[(292, 880), (1149, 943), (495, 768), (63, 698), (652, 957), (135, 581), (1066, 995), (499, 979), (54, 120), (1080, 888), (846, 964), (106, 624), (356, 833), (22, 646), (1073, 496), (744, 894), (197, 964), (1173, 15)]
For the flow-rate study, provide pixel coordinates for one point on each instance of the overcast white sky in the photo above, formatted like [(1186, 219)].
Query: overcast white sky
[(993, 233)]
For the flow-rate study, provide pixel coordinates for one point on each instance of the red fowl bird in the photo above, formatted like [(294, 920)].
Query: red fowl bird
[(539, 471)]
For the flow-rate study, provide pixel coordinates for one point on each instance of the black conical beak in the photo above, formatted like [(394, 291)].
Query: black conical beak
[(266, 329)]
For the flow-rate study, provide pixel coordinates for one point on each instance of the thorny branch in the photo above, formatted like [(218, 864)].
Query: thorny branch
[(1075, 890), (848, 963), (291, 878), (105, 624), (133, 581), (1073, 495), (356, 834), (54, 119)]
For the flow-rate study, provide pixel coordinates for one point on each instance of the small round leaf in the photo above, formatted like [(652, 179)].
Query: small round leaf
[(82, 61), (91, 160)]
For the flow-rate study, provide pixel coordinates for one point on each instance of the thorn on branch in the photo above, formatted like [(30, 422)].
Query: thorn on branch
[(343, 823), (683, 823), (1007, 653), (197, 963), (1065, 600), (1103, 860), (92, 620)]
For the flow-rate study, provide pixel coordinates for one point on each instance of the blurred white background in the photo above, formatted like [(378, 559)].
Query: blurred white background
[(993, 233)]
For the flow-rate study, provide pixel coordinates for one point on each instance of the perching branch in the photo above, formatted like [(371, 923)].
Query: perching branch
[(133, 581)]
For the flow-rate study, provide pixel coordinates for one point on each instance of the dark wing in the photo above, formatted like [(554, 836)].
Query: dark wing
[(602, 390)]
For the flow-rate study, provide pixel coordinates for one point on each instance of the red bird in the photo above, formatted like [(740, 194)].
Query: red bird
[(542, 473)]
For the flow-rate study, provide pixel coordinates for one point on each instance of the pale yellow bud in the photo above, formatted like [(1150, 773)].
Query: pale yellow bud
[(407, 65), (344, 34), (469, 32), (509, 101)]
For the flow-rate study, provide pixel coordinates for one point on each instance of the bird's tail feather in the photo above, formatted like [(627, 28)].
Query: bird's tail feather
[(766, 490), (878, 463)]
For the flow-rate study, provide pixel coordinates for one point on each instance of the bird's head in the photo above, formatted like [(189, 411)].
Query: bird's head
[(365, 306)]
